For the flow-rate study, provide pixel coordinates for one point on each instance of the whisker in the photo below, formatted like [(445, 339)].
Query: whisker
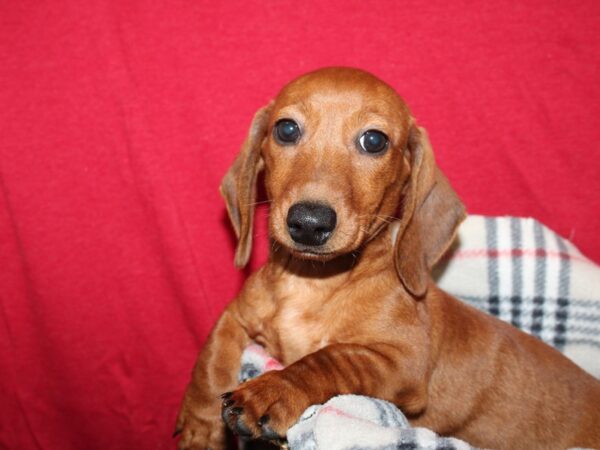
[(342, 232), (383, 217), (389, 217), (275, 246), (383, 220), (367, 232), (259, 203)]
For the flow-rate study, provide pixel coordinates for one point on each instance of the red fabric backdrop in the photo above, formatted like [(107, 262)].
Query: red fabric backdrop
[(119, 118)]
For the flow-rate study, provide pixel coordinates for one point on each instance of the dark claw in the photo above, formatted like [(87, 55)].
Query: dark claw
[(232, 416), (263, 420), (241, 429), (237, 410), (268, 433), (177, 432), (229, 413)]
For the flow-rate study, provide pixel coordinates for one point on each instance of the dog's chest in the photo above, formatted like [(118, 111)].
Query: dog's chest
[(306, 318), (312, 314)]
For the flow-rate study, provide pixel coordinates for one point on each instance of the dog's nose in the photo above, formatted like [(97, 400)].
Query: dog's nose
[(310, 223)]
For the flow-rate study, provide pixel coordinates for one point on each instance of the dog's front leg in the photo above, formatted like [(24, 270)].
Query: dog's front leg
[(267, 406), (216, 369)]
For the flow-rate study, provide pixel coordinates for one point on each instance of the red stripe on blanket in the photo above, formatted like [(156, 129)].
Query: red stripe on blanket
[(338, 412), (333, 411), (269, 362), (512, 252), (273, 364)]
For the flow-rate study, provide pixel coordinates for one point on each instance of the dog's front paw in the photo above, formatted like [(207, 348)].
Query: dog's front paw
[(264, 407), (198, 430)]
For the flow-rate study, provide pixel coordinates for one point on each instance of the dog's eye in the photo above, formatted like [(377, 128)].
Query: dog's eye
[(286, 131), (373, 141)]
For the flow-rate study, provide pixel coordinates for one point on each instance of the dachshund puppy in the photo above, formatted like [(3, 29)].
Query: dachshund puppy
[(359, 215)]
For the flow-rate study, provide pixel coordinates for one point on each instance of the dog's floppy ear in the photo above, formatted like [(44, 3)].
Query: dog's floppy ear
[(238, 187), (431, 214)]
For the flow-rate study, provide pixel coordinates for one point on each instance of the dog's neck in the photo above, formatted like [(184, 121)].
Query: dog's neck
[(380, 246), (285, 261)]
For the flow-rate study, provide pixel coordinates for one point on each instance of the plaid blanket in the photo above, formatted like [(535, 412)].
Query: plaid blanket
[(513, 268), (527, 275)]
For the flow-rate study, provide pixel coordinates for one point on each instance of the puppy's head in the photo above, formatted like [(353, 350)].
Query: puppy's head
[(341, 152)]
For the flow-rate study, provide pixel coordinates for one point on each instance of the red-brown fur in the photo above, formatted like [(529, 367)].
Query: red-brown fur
[(364, 316)]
